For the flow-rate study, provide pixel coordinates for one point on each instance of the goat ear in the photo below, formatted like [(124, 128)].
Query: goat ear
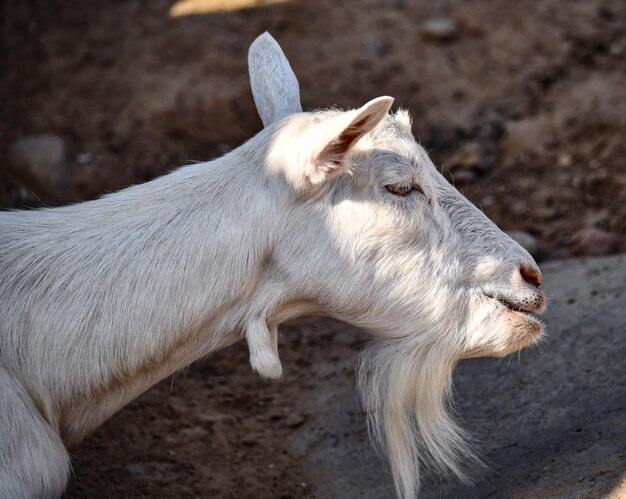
[(334, 138), (274, 85)]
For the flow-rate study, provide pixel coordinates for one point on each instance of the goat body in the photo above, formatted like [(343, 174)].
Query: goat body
[(335, 213)]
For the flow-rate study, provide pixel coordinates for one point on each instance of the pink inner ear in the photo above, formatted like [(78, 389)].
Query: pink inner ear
[(341, 145)]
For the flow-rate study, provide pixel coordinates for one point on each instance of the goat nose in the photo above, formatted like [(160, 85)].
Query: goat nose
[(531, 275)]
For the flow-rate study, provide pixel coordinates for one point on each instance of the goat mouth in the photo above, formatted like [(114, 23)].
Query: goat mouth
[(525, 316), (528, 312), (513, 307)]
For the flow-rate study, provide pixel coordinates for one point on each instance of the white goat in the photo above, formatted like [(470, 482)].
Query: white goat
[(330, 212)]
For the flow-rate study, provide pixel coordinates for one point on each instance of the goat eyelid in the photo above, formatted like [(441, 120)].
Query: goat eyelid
[(404, 190)]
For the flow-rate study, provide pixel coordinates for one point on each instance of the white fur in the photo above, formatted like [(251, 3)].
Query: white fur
[(274, 86), (100, 300)]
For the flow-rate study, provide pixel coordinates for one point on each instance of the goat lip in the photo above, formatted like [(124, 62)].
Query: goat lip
[(533, 325), (526, 316), (517, 308)]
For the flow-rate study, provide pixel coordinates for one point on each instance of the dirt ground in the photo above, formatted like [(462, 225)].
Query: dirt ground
[(525, 103)]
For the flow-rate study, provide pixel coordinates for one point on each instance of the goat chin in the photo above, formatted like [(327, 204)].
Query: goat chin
[(406, 388)]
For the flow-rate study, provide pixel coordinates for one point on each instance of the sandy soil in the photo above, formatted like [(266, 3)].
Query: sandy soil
[(532, 92)]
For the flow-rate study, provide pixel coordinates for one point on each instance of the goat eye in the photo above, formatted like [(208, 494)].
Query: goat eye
[(403, 189)]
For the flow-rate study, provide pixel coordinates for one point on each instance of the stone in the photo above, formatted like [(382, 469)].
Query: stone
[(84, 158), (468, 156), (440, 29), (133, 469), (488, 200), (39, 163), (594, 242), (564, 160), (526, 241), (463, 176), (295, 420)]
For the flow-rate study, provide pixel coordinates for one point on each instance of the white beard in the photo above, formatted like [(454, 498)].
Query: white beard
[(406, 387)]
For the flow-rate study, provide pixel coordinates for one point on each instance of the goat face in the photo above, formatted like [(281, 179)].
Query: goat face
[(374, 235)]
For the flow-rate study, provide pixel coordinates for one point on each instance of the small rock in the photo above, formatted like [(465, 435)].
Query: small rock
[(84, 158), (468, 156), (564, 160), (441, 29), (39, 162), (463, 176), (133, 469), (617, 48), (488, 200), (526, 241), (594, 242), (296, 420)]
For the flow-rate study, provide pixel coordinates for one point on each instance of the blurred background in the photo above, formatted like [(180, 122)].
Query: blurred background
[(522, 105)]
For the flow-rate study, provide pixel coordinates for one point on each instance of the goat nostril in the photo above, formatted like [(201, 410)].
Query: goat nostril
[(530, 275)]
